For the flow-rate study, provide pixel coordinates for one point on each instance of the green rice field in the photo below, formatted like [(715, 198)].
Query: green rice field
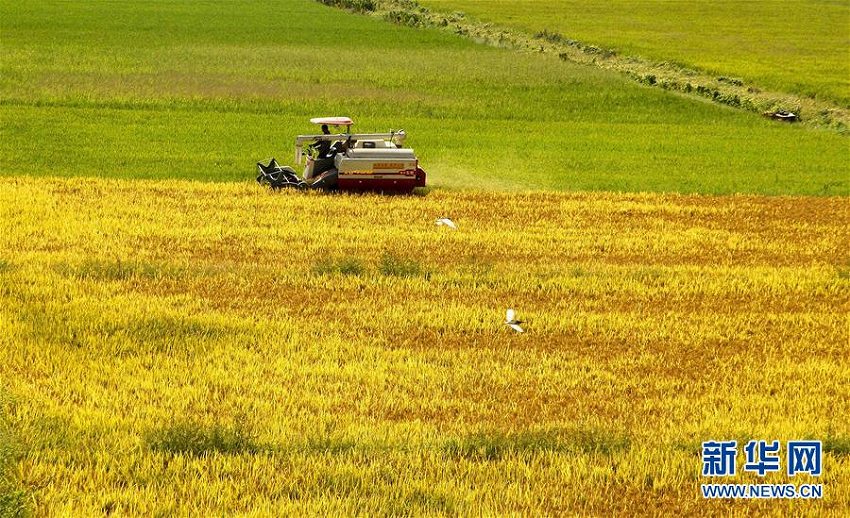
[(204, 90), (796, 46)]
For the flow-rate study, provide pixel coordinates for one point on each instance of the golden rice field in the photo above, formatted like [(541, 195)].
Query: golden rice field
[(171, 347)]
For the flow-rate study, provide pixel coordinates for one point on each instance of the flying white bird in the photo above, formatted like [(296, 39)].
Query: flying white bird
[(446, 222), (512, 322)]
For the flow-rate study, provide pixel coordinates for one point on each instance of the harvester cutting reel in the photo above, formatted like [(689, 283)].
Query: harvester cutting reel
[(277, 176)]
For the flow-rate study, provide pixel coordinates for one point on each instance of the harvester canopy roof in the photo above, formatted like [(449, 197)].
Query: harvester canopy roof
[(333, 121)]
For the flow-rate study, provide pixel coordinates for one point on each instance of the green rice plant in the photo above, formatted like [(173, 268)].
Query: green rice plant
[(837, 445), (199, 440), (343, 266), (496, 445), (392, 265)]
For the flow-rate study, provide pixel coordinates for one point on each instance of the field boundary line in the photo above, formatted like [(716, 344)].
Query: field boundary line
[(693, 82)]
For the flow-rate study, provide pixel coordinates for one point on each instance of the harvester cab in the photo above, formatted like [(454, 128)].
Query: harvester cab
[(348, 161)]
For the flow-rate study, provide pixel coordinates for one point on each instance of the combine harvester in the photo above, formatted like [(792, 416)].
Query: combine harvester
[(347, 161)]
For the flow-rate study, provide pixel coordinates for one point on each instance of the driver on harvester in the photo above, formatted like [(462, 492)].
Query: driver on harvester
[(321, 146), (323, 173)]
